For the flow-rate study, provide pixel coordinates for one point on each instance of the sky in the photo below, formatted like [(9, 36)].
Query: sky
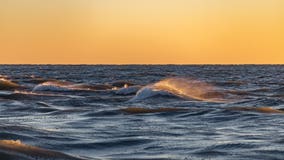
[(142, 31)]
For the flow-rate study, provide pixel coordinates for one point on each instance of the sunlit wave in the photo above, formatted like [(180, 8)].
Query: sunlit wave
[(18, 150), (68, 86), (7, 84), (184, 88), (257, 109)]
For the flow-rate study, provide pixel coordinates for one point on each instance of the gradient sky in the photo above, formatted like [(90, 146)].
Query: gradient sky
[(142, 31)]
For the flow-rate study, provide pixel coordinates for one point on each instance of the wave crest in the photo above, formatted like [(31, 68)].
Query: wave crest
[(7, 84), (18, 150), (68, 86), (128, 90), (182, 87)]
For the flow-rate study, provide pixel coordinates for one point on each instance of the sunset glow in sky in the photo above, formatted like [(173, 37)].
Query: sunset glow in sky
[(142, 31)]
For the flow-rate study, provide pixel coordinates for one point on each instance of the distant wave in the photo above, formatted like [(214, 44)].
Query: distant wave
[(140, 110), (16, 150), (257, 109), (7, 84), (21, 95), (68, 86), (184, 88), (53, 86)]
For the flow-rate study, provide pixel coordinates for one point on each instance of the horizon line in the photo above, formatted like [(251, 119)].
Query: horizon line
[(150, 64)]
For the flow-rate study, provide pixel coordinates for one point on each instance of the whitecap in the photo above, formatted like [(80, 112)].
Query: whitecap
[(184, 88)]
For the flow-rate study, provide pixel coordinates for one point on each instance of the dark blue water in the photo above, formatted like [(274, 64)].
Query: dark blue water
[(142, 112)]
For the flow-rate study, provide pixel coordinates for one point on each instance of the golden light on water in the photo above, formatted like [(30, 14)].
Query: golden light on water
[(136, 31), (191, 89)]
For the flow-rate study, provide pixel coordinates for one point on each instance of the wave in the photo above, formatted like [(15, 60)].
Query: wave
[(257, 109), (134, 110), (279, 91), (184, 88), (54, 86), (148, 92), (24, 95), (8, 85), (122, 84), (128, 90), (68, 86), (14, 150), (5, 93)]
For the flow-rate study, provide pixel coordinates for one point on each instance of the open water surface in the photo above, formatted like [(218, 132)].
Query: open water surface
[(141, 112)]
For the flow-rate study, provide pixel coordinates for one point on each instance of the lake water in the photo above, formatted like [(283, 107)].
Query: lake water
[(154, 112)]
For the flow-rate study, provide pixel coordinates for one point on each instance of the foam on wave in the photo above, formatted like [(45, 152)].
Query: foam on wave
[(54, 86), (182, 87), (67, 86)]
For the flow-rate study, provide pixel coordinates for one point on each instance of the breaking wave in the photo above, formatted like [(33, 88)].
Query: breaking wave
[(68, 86), (184, 88)]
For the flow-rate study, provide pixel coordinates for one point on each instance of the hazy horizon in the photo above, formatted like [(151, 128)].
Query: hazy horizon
[(142, 32)]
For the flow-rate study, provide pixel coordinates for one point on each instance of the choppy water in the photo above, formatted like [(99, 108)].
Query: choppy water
[(141, 112)]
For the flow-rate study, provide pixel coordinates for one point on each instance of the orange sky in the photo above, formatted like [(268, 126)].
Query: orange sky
[(142, 31)]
